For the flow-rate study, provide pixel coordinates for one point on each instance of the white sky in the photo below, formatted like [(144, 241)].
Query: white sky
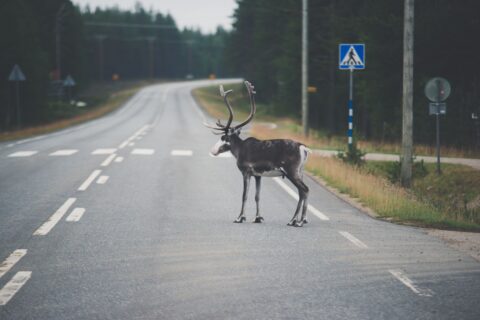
[(203, 14)]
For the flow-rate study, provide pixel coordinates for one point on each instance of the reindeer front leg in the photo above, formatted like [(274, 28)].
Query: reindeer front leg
[(258, 217), (246, 184)]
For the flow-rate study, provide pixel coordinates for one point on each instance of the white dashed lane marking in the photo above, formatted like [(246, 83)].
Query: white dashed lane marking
[(11, 261), (104, 151), (294, 195), (402, 277), (102, 179), (22, 154), (182, 153), (13, 286), (143, 151), (76, 215), (89, 180), (66, 152), (119, 159), (53, 220), (108, 160), (354, 240)]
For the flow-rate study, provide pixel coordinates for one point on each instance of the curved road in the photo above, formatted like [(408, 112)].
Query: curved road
[(128, 217)]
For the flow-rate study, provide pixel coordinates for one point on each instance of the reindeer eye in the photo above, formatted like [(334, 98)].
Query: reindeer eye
[(223, 138)]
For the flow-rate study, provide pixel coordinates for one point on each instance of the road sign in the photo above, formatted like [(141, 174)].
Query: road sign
[(437, 108), (351, 56), (16, 74), (437, 89), (69, 82)]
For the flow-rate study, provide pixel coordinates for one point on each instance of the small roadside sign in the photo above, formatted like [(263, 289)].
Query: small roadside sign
[(351, 56), (69, 82), (16, 74)]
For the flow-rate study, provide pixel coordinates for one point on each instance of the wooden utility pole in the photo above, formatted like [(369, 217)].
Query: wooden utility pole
[(407, 101), (305, 67)]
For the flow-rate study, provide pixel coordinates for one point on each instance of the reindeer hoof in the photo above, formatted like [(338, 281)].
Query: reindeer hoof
[(295, 223), (258, 220), (305, 221), (240, 220)]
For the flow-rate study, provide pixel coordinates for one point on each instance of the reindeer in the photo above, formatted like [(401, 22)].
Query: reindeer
[(262, 158)]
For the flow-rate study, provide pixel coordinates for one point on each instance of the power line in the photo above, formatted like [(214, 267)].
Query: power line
[(128, 25)]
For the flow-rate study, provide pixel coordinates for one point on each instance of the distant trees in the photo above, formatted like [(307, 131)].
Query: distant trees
[(94, 44), (264, 47), (27, 35)]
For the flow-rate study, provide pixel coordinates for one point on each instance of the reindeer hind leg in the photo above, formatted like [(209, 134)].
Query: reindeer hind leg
[(302, 195)]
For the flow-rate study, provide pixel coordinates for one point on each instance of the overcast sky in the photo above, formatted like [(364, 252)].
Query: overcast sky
[(204, 14)]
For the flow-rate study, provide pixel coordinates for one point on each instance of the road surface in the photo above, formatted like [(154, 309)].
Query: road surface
[(128, 217)]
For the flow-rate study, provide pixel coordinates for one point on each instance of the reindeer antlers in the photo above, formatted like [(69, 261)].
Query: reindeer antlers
[(221, 127)]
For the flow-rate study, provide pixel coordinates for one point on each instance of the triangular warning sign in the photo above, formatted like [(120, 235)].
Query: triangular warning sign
[(352, 58), (16, 74), (69, 82)]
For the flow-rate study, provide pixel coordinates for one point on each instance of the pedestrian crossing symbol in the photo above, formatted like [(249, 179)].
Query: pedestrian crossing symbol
[(351, 56)]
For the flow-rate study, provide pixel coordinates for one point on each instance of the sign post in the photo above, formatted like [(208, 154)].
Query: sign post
[(351, 57), (69, 83), (17, 75), (437, 90)]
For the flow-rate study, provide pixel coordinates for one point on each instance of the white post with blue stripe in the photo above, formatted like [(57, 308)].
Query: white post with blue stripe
[(351, 57)]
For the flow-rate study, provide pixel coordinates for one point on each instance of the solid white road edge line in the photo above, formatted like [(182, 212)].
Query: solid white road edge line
[(294, 195), (53, 220), (108, 160), (400, 275), (11, 261), (76, 215), (354, 240), (13, 286), (89, 180)]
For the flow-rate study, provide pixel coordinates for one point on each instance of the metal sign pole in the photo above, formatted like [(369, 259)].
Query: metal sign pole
[(19, 111), (350, 113), (438, 142)]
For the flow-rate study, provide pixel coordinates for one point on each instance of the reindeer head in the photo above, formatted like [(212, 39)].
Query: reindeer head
[(227, 131)]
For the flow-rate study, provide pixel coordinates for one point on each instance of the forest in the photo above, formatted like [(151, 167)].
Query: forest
[(265, 46), (53, 38)]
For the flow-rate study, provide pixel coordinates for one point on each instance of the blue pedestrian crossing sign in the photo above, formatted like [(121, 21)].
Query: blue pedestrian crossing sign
[(351, 56)]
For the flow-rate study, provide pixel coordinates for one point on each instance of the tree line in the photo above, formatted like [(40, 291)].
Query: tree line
[(264, 46), (51, 39)]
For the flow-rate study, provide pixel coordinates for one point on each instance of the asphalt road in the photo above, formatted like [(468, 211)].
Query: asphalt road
[(152, 237)]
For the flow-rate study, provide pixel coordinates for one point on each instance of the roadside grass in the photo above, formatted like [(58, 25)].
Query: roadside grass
[(289, 128), (448, 201), (419, 206), (101, 99)]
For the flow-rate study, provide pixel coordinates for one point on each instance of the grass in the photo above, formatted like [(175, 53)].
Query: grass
[(388, 200), (449, 201), (287, 127), (101, 99)]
